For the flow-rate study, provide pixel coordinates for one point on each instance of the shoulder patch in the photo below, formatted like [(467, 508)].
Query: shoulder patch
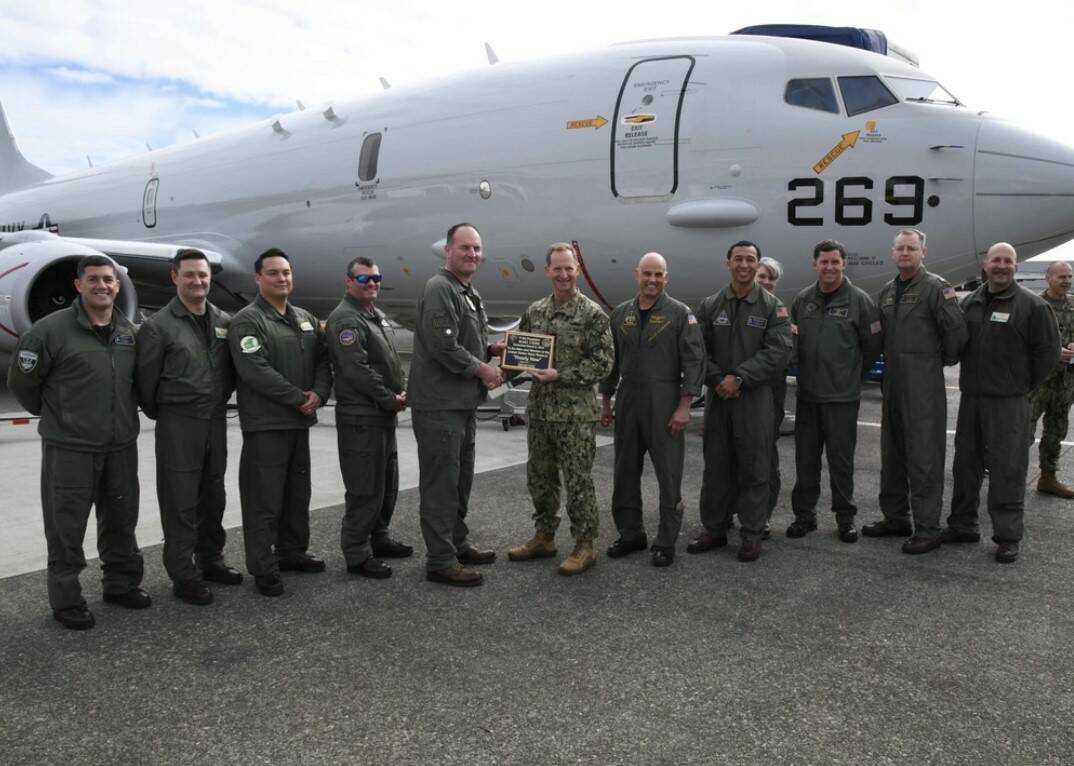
[(781, 312), (690, 318), (347, 337), (250, 344), (949, 294), (876, 328), (27, 361)]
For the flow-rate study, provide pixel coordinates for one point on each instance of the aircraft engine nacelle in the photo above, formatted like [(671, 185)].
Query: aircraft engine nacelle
[(37, 277)]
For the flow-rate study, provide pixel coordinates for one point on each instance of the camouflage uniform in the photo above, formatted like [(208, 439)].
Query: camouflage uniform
[(563, 414), (1054, 397)]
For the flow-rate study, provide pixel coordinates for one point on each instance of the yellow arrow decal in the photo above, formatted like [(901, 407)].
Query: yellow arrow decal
[(593, 122), (848, 141)]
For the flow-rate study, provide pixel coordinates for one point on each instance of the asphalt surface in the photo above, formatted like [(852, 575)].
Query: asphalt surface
[(819, 653)]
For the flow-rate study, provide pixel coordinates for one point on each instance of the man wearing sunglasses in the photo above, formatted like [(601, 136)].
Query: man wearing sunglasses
[(369, 384)]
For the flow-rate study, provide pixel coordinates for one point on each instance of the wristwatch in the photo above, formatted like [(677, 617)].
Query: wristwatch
[(738, 381)]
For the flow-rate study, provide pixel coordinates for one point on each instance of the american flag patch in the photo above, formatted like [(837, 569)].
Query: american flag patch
[(875, 328), (949, 294), (691, 319), (781, 312), (794, 329)]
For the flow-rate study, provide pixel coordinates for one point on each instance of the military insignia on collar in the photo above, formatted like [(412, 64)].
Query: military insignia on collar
[(27, 361), (124, 340), (249, 344), (758, 323), (347, 337), (722, 319)]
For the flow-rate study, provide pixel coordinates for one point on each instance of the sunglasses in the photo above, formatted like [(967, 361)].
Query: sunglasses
[(364, 279)]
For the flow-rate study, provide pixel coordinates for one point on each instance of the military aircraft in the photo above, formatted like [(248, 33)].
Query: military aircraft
[(683, 146)]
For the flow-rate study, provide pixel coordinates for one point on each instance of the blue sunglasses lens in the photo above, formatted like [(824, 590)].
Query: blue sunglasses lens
[(363, 279)]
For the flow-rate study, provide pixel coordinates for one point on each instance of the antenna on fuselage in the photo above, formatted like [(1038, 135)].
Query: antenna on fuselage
[(384, 83), (89, 161), (195, 132), (300, 105), (493, 58), (148, 148)]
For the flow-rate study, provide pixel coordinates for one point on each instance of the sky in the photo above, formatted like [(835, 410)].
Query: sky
[(104, 78)]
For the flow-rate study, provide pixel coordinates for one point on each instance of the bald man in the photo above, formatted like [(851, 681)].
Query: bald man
[(1056, 393), (658, 370), (1013, 346)]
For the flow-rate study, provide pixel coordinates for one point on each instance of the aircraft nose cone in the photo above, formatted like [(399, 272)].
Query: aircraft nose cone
[(1024, 189)]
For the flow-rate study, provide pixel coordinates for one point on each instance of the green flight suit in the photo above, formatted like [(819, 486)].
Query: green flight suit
[(655, 366), (837, 337), (563, 415), (923, 332), (185, 378), (1013, 346), (444, 391), (750, 338), (82, 386), (368, 376), (277, 357), (1056, 393)]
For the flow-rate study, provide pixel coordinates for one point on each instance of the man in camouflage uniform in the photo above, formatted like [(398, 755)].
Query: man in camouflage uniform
[(563, 413), (924, 331), (659, 370), (1054, 397)]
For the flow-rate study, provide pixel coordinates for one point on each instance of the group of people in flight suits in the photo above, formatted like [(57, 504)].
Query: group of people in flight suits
[(86, 369)]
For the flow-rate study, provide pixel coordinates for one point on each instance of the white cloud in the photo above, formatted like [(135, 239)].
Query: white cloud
[(81, 76)]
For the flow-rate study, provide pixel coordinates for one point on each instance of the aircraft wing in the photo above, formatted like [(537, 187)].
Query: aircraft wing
[(146, 262)]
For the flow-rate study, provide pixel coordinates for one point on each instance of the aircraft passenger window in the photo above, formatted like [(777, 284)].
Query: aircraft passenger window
[(922, 91), (812, 93), (864, 94), (367, 160)]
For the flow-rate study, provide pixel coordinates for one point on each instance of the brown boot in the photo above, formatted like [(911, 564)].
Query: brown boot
[(581, 559), (1050, 485), (540, 546)]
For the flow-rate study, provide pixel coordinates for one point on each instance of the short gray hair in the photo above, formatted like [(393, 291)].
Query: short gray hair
[(774, 266)]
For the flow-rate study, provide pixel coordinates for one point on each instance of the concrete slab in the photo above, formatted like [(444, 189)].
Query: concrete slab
[(819, 653)]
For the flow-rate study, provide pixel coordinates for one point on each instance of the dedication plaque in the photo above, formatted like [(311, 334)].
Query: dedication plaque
[(528, 351)]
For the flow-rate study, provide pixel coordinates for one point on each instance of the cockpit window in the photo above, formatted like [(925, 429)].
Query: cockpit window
[(922, 91), (864, 94), (812, 93)]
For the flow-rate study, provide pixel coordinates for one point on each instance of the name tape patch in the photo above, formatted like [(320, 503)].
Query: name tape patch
[(305, 326), (758, 323), (1000, 316)]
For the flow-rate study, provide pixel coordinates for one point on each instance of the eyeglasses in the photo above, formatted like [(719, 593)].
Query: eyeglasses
[(363, 279)]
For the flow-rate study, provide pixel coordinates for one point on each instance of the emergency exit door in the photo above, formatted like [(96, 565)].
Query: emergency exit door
[(645, 141)]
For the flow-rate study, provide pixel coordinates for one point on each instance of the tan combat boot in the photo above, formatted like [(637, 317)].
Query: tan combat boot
[(1050, 485), (540, 546), (581, 559)]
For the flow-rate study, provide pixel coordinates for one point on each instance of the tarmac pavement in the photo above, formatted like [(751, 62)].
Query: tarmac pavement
[(819, 653)]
